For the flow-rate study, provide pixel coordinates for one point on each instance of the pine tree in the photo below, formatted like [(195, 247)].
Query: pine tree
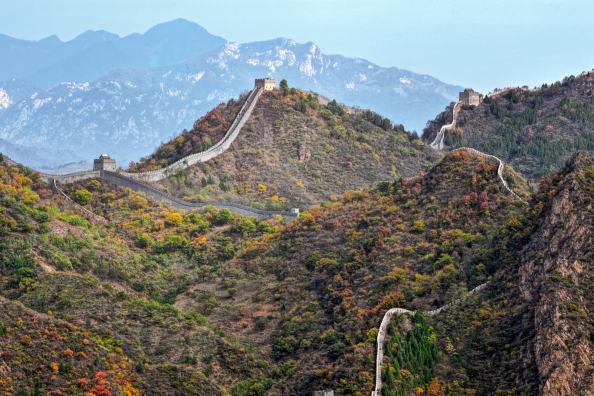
[(204, 182), (210, 179)]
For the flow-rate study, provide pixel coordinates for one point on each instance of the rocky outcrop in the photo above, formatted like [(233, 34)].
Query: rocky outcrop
[(553, 276)]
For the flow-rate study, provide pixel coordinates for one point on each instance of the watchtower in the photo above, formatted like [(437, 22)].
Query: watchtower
[(469, 97), (267, 83), (104, 162)]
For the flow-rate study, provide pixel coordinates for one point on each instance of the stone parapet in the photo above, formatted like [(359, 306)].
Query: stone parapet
[(160, 195)]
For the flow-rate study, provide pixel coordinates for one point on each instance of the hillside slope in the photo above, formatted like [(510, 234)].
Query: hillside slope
[(292, 149), (534, 130), (260, 307)]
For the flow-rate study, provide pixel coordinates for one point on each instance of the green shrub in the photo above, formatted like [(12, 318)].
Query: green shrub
[(137, 202), (93, 185), (42, 217), (44, 229), (336, 350), (83, 197), (143, 241), (223, 216)]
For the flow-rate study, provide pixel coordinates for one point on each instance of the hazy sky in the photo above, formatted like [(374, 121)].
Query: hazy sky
[(475, 43)]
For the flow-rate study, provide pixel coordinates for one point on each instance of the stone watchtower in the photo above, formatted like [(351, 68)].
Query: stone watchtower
[(104, 162), (469, 97), (267, 83)]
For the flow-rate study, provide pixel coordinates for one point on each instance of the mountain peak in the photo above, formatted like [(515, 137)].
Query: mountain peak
[(94, 36), (176, 27), (51, 39)]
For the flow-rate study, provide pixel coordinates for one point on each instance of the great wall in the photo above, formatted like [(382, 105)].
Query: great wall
[(437, 143), (400, 311), (381, 334), (136, 182)]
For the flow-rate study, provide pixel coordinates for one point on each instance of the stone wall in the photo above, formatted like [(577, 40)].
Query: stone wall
[(71, 177), (381, 334), (324, 101), (213, 152), (161, 195), (65, 178), (88, 213)]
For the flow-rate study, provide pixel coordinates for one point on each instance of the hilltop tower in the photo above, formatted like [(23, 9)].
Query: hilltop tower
[(267, 83), (104, 162), (469, 97)]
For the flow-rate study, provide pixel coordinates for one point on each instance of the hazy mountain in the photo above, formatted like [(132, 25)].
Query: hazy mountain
[(50, 61), (130, 111), (39, 158), (13, 90)]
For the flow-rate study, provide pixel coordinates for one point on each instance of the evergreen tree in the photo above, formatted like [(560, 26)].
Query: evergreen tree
[(210, 179), (204, 182)]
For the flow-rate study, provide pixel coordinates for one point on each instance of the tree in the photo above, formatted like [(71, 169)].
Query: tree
[(137, 202), (281, 348), (284, 87), (224, 216), (143, 241), (94, 185), (204, 182), (210, 179), (336, 350), (83, 197)]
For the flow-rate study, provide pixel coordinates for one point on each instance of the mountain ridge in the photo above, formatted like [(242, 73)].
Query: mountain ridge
[(176, 95)]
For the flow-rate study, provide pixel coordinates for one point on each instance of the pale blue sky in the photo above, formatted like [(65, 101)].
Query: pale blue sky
[(481, 44)]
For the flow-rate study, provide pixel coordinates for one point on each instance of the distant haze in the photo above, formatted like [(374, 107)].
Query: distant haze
[(475, 44), (102, 93)]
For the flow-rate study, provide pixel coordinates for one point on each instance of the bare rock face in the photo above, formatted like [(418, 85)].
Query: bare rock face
[(304, 153), (553, 269)]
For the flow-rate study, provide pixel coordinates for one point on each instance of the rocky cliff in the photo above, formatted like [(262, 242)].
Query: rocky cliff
[(555, 275)]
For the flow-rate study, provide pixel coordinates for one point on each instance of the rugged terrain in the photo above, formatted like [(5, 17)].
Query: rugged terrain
[(534, 130), (277, 308), (293, 152)]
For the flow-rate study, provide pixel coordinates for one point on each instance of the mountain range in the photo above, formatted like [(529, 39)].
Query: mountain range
[(102, 93)]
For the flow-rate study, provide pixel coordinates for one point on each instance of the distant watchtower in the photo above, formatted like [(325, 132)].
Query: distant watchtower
[(469, 97), (104, 162), (267, 83)]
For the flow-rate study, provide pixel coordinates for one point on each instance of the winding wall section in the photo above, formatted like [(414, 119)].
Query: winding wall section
[(216, 150), (381, 334), (87, 212), (135, 180), (438, 142), (160, 195), (399, 311), (499, 169)]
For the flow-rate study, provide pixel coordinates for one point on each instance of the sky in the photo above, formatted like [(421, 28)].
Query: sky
[(481, 44)]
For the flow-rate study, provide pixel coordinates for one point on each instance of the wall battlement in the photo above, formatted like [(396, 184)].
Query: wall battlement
[(267, 83), (104, 162)]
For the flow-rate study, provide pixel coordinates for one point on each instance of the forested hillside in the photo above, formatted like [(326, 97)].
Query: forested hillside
[(293, 152), (534, 130), (192, 301)]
